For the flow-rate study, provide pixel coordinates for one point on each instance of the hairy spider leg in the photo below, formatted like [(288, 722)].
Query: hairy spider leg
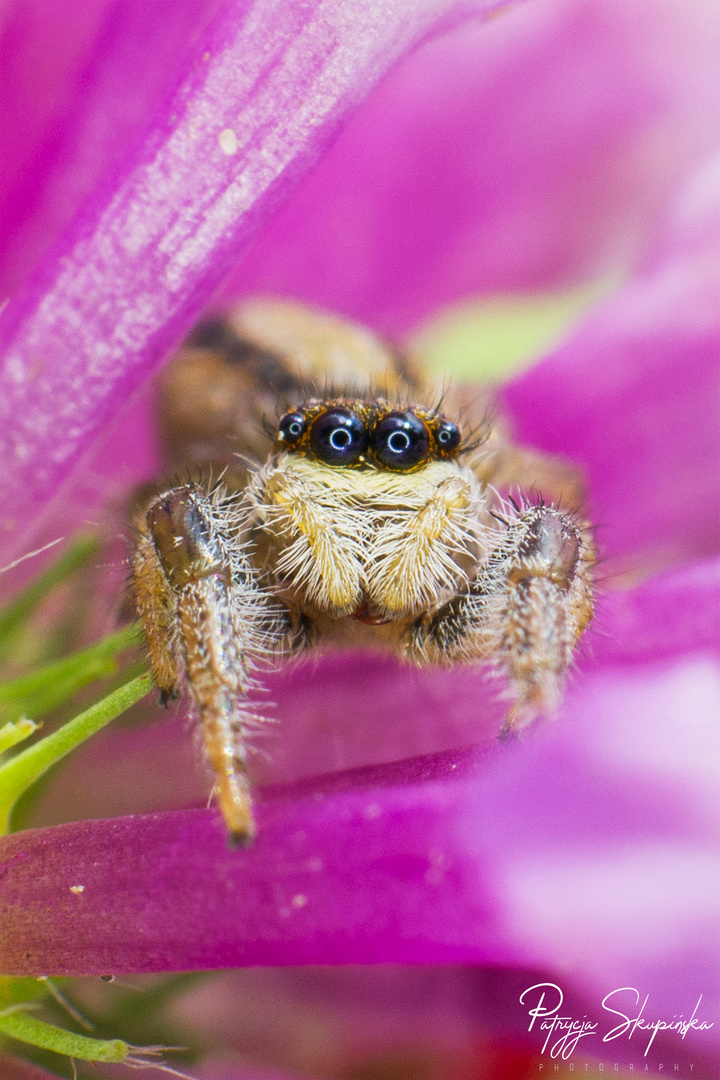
[(203, 611), (526, 610)]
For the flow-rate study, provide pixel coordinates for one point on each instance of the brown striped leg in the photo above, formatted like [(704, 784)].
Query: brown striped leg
[(526, 611), (203, 611)]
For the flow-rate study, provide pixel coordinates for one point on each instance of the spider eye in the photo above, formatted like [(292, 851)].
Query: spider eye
[(292, 427), (447, 436), (338, 437), (400, 440)]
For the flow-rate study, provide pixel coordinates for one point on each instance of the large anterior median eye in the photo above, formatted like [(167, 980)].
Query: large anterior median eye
[(338, 437), (400, 440), (292, 427)]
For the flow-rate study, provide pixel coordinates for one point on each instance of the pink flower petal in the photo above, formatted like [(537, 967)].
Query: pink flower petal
[(464, 856), (541, 148), (360, 875), (590, 846), (449, 1021), (669, 615), (614, 854), (632, 397), (268, 88), (42, 48), (116, 89)]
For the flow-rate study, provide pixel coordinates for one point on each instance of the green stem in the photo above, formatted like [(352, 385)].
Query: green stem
[(28, 1029), (78, 554), (15, 731), (53, 684), (18, 774)]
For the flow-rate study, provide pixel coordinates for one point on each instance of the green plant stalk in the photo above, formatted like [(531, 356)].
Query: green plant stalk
[(16, 731), (55, 683), (28, 1029), (78, 554), (18, 774)]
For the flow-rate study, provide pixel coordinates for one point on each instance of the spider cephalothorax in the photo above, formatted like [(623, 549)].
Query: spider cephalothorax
[(372, 523)]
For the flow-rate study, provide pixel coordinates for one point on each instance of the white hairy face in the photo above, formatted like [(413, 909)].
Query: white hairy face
[(381, 544)]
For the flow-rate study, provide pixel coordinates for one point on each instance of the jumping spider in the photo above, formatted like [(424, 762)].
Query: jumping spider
[(373, 522)]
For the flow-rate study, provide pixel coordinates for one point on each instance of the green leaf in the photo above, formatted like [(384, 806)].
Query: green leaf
[(15, 614), (17, 1023), (16, 731), (50, 686), (18, 774)]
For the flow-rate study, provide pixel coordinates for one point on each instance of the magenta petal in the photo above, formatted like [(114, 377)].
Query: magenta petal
[(42, 48), (350, 710), (633, 396), (590, 847), (609, 863), (539, 149), (509, 854), (116, 90), (361, 875), (268, 88), (672, 614)]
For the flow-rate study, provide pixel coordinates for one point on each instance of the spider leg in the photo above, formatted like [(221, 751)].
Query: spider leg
[(204, 613), (156, 605), (526, 610)]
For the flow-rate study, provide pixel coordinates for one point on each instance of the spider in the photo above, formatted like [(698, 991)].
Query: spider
[(374, 521)]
